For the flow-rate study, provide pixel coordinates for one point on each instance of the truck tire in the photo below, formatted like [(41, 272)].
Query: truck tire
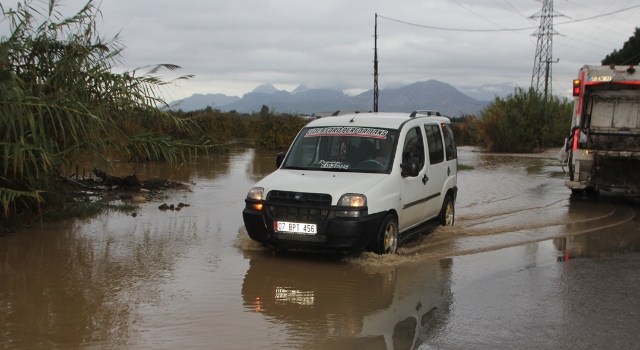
[(590, 191), (577, 191), (448, 212), (386, 241)]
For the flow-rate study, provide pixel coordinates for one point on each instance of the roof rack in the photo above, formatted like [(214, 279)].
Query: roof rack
[(427, 112), (349, 111)]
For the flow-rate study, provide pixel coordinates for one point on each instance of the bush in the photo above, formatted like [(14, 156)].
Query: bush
[(276, 132), (523, 122), (463, 131)]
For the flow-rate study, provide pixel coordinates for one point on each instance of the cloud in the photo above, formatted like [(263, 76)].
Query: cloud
[(233, 46)]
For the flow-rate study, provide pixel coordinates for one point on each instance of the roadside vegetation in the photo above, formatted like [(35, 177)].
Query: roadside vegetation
[(265, 129), (522, 122)]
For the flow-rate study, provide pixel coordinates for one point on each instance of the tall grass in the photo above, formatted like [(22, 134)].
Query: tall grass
[(62, 106)]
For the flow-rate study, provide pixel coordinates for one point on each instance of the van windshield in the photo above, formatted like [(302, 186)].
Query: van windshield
[(352, 149)]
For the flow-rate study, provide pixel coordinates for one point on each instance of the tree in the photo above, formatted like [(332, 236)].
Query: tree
[(264, 111), (62, 106), (629, 54)]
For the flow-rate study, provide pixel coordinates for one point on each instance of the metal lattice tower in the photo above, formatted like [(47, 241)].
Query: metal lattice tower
[(541, 77)]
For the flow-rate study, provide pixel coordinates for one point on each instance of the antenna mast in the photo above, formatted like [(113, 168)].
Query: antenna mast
[(375, 66)]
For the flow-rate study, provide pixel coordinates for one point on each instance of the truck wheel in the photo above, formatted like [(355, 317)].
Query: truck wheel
[(590, 191), (386, 241), (448, 212), (577, 191)]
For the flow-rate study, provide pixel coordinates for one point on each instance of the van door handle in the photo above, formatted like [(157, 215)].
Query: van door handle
[(448, 171), (425, 179)]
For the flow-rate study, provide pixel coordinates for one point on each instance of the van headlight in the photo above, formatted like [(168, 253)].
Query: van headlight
[(353, 200), (355, 205), (256, 193)]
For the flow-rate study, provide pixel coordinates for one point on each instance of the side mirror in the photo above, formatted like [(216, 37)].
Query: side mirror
[(279, 159), (411, 167)]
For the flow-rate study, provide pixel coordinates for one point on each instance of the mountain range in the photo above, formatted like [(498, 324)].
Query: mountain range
[(431, 94)]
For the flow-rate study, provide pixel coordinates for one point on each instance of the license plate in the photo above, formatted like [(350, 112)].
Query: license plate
[(295, 227)]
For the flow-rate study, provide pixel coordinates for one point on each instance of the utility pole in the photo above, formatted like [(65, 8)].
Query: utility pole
[(375, 66), (541, 77)]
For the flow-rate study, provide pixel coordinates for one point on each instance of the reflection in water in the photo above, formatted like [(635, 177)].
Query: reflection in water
[(262, 164), (618, 239), (86, 282), (204, 166), (58, 286), (330, 304)]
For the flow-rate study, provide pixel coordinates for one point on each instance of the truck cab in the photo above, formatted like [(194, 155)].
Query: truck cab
[(357, 181), (603, 150)]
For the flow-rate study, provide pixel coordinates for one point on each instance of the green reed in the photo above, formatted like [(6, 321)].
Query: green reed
[(62, 106)]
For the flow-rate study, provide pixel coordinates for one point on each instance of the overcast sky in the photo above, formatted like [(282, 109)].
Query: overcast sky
[(231, 46)]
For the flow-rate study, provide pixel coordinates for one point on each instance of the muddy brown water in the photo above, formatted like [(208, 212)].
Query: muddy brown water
[(192, 278)]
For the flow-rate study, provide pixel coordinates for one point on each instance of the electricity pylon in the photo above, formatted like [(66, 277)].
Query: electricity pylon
[(541, 77)]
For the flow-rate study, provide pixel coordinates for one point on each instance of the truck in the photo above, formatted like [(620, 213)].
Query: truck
[(602, 151)]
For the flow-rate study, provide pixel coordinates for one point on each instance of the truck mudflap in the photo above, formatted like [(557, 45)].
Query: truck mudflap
[(612, 169)]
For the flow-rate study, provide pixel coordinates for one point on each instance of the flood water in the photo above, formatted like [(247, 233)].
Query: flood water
[(525, 265)]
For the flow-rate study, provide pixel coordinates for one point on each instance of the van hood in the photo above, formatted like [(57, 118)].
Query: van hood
[(334, 183)]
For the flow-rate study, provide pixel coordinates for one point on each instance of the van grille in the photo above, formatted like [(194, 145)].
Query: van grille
[(311, 207)]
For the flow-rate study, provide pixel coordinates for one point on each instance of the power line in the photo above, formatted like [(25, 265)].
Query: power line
[(477, 14), (597, 16), (514, 9), (504, 29), (456, 29), (595, 32)]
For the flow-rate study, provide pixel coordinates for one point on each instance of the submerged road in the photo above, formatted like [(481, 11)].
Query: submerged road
[(526, 266)]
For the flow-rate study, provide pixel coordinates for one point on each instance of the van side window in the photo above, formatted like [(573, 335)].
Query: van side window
[(449, 142), (434, 140), (413, 146)]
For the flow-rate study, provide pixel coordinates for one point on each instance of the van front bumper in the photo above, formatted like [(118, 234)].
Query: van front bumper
[(335, 234)]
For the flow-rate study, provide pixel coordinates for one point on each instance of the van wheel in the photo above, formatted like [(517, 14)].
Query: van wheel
[(386, 241), (448, 212)]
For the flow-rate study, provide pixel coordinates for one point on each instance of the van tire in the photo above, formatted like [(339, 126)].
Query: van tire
[(448, 212), (386, 241)]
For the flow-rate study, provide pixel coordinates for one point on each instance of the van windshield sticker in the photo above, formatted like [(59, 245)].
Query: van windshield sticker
[(347, 131), (333, 165)]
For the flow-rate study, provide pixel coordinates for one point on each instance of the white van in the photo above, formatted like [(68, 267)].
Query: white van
[(355, 182)]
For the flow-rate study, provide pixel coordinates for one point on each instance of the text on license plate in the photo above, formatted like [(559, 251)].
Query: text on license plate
[(295, 227)]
